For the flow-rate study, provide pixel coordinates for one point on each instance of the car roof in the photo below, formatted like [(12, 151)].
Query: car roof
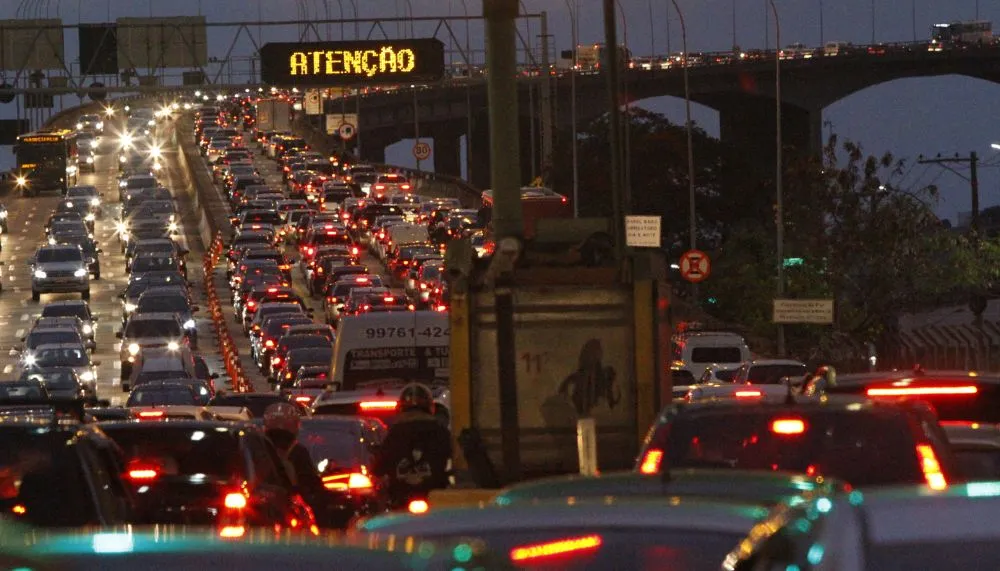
[(229, 425), (838, 403), (626, 514), (752, 486)]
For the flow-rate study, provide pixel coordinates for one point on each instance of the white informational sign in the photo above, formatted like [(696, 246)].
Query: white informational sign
[(816, 311), (313, 102), (642, 231), (335, 120)]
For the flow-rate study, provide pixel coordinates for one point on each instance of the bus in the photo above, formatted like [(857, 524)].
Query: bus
[(46, 160), (591, 58), (536, 202), (955, 34)]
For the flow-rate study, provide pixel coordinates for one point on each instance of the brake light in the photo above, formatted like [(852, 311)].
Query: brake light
[(931, 467), (137, 471), (922, 391), (388, 299), (405, 187), (348, 482), (788, 426), (150, 414), (235, 501), (441, 308), (354, 251), (748, 394), (651, 461), (418, 507), (378, 405), (304, 399), (251, 304), (269, 343), (275, 361), (379, 187), (232, 531), (554, 548)]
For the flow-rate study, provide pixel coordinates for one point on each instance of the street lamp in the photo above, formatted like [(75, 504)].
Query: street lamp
[(779, 191), (574, 30), (692, 220)]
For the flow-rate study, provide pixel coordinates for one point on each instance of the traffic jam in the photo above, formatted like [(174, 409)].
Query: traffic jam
[(278, 393)]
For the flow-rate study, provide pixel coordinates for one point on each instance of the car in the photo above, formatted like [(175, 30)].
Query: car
[(769, 371), (864, 443), (74, 308), (183, 392), (148, 330), (209, 473), (172, 300), (62, 474), (598, 533), (74, 323), (344, 450), (130, 295), (692, 351), (73, 355), (296, 358), (911, 527), (59, 269), (61, 383), (4, 214), (256, 403), (50, 336)]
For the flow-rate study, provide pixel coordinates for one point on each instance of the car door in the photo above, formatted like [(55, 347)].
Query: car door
[(271, 487)]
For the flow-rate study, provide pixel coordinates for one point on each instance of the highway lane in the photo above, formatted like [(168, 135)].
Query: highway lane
[(26, 219)]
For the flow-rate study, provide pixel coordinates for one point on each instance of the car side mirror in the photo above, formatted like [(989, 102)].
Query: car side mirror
[(118, 334)]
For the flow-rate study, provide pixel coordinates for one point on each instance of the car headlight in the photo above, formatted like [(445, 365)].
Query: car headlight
[(172, 226), (79, 126), (155, 152), (157, 166), (3, 214), (99, 125), (80, 272), (87, 376), (130, 307), (90, 218), (87, 329), (29, 360), (133, 348), (21, 181), (95, 201), (189, 324), (90, 160), (173, 346), (40, 274), (151, 122), (122, 159)]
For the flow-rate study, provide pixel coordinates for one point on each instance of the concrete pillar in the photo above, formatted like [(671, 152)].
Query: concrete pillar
[(481, 153), (749, 124), (448, 152), (373, 150)]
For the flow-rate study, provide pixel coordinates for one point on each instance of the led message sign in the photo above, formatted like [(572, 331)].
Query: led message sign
[(41, 139), (361, 62)]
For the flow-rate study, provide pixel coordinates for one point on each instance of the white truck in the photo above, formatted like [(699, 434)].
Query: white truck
[(274, 115)]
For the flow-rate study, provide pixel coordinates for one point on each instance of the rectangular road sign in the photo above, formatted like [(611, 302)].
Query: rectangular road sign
[(179, 41), (353, 62), (816, 311), (335, 120), (31, 44), (99, 49), (313, 102), (642, 231)]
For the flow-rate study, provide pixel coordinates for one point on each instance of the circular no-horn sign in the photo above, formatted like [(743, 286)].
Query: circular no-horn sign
[(346, 131), (695, 266), (422, 151)]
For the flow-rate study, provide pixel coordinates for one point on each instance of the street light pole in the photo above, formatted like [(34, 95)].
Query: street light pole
[(873, 22), (821, 43), (468, 98), (574, 22), (779, 191), (692, 219)]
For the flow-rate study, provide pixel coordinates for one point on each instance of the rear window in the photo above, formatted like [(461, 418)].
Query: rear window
[(65, 310), (864, 448), (161, 396), (772, 374), (328, 239), (716, 355), (336, 444), (256, 405), (179, 450)]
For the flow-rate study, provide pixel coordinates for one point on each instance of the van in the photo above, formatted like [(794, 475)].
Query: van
[(692, 353)]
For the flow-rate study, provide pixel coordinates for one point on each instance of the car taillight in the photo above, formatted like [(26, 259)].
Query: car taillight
[(235, 501), (269, 343), (378, 405), (404, 186), (553, 549), (304, 399), (441, 308), (748, 394), (417, 507), (379, 187), (651, 461), (922, 391), (931, 467), (151, 415), (139, 471), (354, 251), (348, 482), (788, 426), (251, 304)]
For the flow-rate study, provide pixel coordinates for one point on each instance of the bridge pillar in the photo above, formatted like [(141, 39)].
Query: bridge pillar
[(373, 149), (480, 151), (749, 125), (448, 152)]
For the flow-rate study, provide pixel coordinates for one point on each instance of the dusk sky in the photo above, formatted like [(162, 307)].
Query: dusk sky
[(945, 115)]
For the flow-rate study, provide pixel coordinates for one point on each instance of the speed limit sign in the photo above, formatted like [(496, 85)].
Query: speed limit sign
[(346, 131), (421, 151)]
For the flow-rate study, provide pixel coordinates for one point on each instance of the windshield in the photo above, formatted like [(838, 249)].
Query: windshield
[(57, 255), (64, 356), (716, 355), (165, 328), (51, 337), (41, 154), (179, 450)]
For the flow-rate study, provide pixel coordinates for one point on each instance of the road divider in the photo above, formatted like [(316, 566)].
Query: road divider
[(227, 345)]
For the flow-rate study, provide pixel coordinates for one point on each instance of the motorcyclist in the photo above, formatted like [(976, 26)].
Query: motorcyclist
[(281, 424), (415, 456), (824, 378)]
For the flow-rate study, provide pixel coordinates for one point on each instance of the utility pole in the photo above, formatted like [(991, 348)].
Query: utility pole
[(546, 102), (614, 127), (973, 178)]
